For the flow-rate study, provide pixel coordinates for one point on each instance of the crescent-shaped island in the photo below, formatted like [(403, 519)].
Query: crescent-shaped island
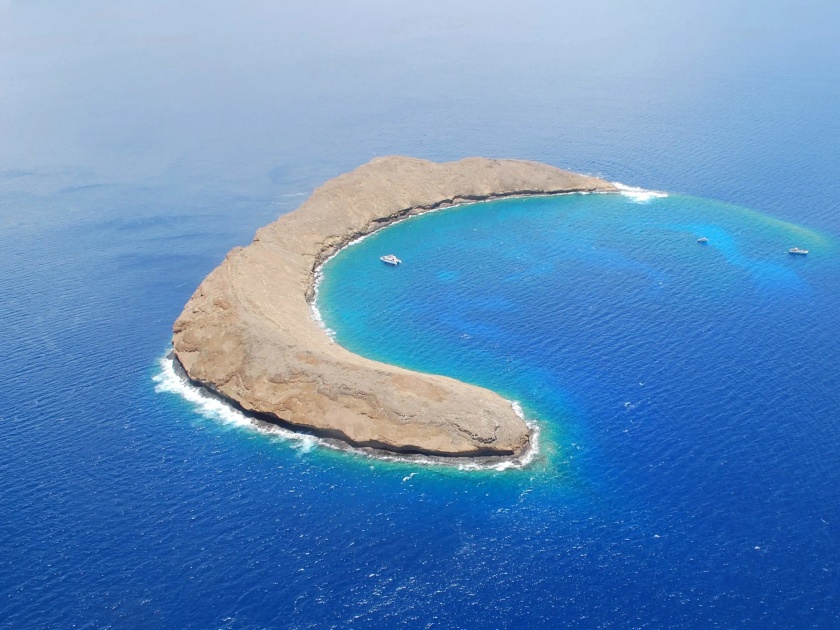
[(248, 335)]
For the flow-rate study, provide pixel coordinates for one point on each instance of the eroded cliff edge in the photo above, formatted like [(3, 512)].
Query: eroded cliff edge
[(247, 332)]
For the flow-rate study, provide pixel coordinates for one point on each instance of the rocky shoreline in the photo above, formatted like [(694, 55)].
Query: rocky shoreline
[(248, 336)]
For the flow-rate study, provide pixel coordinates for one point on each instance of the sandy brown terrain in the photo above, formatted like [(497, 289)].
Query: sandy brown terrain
[(247, 333)]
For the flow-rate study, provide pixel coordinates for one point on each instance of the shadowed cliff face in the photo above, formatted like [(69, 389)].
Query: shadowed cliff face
[(247, 332)]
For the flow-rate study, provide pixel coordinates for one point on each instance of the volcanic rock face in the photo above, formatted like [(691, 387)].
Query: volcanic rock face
[(247, 332)]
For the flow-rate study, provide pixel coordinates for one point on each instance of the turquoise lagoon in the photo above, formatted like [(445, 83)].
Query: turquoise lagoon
[(591, 311)]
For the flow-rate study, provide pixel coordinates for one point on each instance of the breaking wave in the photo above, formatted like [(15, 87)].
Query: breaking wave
[(639, 195), (170, 381)]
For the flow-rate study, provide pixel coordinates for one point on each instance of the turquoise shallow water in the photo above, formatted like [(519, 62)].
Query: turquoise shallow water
[(681, 388), (690, 439), (592, 305)]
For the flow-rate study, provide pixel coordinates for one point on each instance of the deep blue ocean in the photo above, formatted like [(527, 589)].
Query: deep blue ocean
[(686, 395)]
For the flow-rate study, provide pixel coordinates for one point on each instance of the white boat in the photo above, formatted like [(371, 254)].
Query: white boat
[(702, 240), (798, 252), (390, 259)]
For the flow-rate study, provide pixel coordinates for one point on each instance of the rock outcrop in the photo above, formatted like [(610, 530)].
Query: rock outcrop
[(247, 333)]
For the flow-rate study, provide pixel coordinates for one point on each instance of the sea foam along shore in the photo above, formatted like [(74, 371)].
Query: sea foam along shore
[(170, 379)]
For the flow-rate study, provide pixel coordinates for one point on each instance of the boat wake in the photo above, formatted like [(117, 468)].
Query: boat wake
[(169, 380), (639, 195)]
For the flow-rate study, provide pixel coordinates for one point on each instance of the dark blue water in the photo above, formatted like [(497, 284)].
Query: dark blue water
[(141, 141)]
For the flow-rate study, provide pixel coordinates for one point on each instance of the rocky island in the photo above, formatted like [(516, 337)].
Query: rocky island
[(248, 335)]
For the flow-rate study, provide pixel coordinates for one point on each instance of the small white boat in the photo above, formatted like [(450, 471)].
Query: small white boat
[(390, 259), (798, 252), (702, 240)]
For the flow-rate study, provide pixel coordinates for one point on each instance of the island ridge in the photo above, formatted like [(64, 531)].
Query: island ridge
[(248, 335)]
